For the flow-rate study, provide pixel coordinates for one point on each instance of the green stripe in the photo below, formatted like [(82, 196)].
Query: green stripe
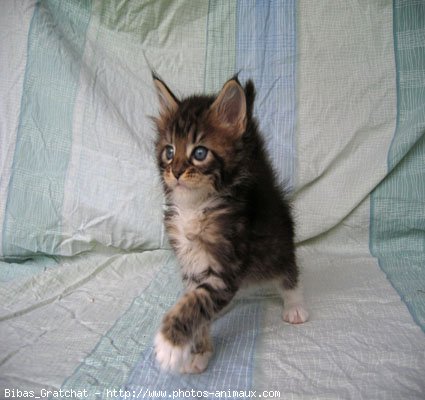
[(397, 236), (55, 48), (220, 56)]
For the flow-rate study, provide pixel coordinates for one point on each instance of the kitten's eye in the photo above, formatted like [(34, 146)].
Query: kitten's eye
[(169, 152), (200, 153)]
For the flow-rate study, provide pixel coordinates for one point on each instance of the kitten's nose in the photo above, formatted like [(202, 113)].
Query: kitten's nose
[(177, 172)]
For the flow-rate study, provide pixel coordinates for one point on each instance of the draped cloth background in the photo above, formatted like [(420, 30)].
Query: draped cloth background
[(86, 270)]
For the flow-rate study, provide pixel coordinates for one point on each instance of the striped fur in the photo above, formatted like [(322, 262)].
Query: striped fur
[(227, 220)]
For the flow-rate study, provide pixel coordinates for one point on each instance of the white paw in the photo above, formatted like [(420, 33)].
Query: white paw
[(295, 314), (179, 358), (170, 357), (198, 363)]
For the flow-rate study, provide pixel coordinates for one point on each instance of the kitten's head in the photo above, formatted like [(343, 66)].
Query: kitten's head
[(199, 143)]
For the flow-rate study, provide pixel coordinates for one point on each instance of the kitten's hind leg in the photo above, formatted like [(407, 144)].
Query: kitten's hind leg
[(294, 310)]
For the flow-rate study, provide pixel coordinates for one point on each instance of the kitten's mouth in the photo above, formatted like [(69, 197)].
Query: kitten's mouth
[(181, 185)]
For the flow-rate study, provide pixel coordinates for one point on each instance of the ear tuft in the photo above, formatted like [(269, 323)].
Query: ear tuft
[(168, 102), (230, 107)]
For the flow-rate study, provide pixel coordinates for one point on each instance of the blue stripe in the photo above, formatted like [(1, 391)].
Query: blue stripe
[(55, 47), (230, 368), (266, 53)]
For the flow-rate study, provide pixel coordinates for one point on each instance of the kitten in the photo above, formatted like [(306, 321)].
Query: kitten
[(227, 220)]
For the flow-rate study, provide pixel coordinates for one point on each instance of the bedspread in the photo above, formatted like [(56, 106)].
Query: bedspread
[(86, 271)]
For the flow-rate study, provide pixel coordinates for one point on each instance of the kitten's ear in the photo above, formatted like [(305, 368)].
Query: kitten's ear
[(168, 102), (230, 107)]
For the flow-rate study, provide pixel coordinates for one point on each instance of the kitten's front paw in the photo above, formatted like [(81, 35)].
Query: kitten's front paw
[(296, 314), (171, 357), (179, 358), (198, 363)]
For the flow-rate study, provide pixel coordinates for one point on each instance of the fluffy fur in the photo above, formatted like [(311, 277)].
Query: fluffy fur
[(227, 219)]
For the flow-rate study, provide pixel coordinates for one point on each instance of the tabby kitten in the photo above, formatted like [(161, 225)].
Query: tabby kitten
[(226, 219)]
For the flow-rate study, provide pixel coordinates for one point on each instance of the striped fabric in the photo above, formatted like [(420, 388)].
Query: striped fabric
[(398, 204), (266, 52), (231, 367), (86, 272), (44, 134)]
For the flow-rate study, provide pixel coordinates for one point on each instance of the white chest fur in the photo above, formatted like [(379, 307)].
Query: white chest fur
[(186, 228)]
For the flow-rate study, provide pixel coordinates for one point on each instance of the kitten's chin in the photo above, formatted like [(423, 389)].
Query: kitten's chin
[(178, 187), (185, 196), (181, 186)]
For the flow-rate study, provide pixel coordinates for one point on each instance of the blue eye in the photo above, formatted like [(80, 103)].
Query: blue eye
[(200, 153), (169, 152)]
